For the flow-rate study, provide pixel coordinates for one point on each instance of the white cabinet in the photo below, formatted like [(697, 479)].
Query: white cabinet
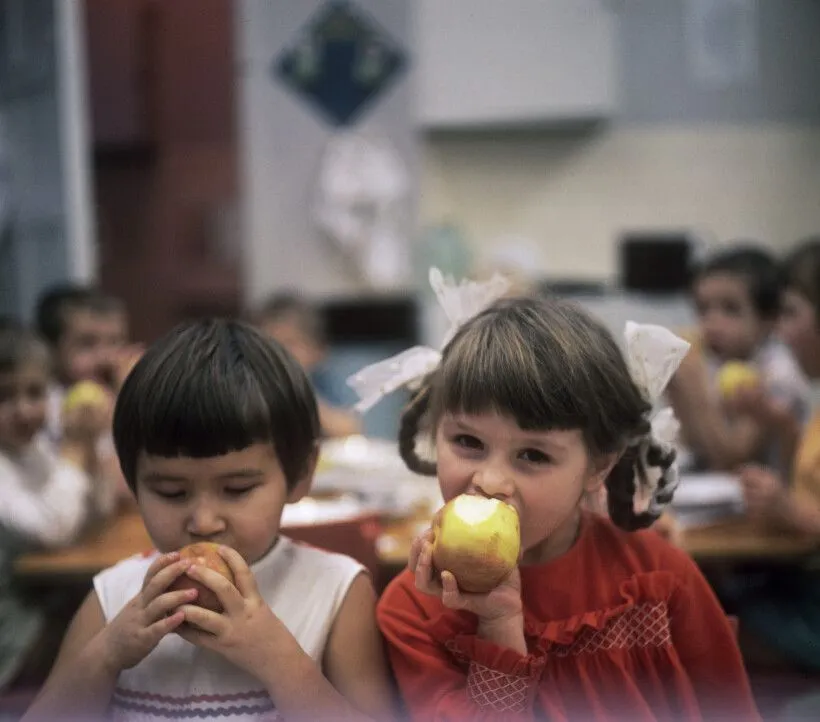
[(515, 62)]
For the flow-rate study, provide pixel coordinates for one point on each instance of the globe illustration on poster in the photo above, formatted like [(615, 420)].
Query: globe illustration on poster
[(340, 62)]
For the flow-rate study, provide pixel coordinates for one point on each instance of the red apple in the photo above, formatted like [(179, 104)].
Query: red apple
[(204, 554)]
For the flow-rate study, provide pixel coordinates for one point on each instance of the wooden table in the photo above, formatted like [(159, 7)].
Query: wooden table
[(743, 540), (122, 537), (737, 540)]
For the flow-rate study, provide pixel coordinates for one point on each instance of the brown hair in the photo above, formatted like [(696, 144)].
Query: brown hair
[(802, 271), (291, 306), (20, 346), (56, 304), (548, 365)]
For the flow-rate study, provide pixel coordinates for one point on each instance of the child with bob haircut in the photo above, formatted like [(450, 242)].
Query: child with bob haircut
[(216, 429), (532, 402)]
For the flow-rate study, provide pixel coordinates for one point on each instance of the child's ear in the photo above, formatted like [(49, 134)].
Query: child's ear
[(600, 468), (302, 488)]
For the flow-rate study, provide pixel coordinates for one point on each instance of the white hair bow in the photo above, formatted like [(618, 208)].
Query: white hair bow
[(461, 302), (653, 354)]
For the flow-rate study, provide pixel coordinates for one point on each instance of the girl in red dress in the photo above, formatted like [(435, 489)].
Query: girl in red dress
[(532, 402)]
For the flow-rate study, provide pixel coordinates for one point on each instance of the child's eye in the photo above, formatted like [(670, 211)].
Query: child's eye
[(170, 494), (534, 456), (730, 308), (466, 441), (238, 490)]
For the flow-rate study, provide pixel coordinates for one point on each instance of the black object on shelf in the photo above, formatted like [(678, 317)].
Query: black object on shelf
[(371, 320), (569, 288), (655, 262)]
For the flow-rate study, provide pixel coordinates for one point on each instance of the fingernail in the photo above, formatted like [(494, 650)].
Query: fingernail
[(192, 593)]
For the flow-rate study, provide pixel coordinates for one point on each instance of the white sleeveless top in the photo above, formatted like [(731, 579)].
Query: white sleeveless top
[(305, 588)]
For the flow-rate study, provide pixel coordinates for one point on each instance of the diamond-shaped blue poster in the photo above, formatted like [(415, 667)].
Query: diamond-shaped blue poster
[(340, 62)]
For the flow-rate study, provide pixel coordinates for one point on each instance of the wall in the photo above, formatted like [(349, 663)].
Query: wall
[(738, 161), (42, 118), (282, 143), (573, 195), (163, 106)]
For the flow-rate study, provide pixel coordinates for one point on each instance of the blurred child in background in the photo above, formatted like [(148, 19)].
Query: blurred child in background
[(737, 294), (87, 332), (297, 325), (784, 611), (45, 497)]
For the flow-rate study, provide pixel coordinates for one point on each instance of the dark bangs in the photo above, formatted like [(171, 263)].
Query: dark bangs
[(546, 364), (19, 346), (211, 388)]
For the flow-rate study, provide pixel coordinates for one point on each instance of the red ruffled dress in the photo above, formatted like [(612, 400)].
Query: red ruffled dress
[(621, 627)]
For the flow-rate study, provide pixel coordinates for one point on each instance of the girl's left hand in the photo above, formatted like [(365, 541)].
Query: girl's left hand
[(501, 604), (245, 630)]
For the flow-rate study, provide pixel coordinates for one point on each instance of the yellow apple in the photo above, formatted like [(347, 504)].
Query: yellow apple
[(205, 554), (477, 540), (85, 393), (734, 375)]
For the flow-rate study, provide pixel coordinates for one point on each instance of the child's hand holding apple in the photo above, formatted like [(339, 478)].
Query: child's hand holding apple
[(245, 629), (205, 554), (469, 559)]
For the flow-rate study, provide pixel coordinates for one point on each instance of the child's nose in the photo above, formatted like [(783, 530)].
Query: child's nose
[(493, 480), (205, 521)]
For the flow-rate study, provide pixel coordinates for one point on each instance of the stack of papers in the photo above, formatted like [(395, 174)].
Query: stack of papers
[(708, 489), (708, 498)]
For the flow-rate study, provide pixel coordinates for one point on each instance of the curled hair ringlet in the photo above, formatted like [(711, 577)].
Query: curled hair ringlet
[(411, 425), (637, 460)]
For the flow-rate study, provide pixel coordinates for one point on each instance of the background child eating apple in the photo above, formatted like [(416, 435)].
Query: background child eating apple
[(216, 430), (87, 333), (737, 295), (45, 496), (781, 607)]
